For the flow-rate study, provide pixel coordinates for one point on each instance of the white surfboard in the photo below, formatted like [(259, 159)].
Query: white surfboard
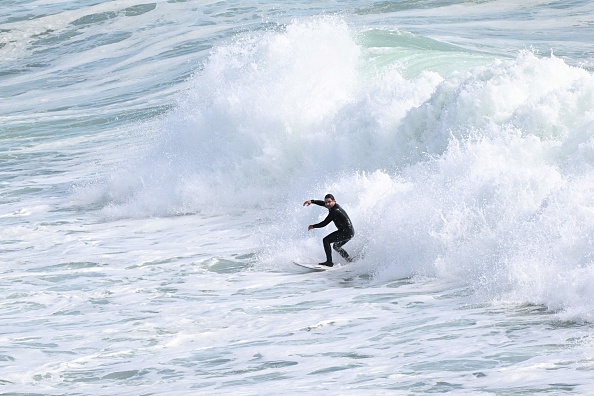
[(313, 267)]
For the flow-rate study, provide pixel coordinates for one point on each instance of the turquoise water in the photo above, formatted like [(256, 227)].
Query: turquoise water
[(154, 158)]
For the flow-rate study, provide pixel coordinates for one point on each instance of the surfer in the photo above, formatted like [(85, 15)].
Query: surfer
[(342, 235)]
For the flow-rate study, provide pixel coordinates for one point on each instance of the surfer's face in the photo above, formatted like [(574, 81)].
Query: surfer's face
[(329, 203)]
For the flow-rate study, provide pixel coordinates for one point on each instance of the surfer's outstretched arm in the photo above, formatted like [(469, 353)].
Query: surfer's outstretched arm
[(314, 201)]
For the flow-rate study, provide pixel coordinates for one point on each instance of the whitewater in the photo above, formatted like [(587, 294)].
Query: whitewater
[(154, 161)]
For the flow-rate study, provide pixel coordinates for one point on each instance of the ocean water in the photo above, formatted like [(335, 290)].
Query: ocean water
[(155, 156)]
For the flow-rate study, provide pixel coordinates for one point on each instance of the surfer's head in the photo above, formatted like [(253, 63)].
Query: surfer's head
[(329, 201)]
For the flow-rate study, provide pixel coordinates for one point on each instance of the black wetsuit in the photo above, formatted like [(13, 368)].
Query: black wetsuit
[(342, 235)]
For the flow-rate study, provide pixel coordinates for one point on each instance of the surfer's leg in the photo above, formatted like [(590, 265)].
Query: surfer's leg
[(338, 239), (328, 239), (338, 247)]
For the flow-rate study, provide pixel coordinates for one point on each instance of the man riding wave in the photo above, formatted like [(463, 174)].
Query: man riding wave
[(342, 235)]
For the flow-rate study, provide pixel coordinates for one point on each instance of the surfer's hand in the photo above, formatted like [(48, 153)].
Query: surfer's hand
[(309, 228), (307, 203)]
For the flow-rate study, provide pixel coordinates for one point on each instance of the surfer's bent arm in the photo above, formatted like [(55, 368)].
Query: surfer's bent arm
[(324, 222)]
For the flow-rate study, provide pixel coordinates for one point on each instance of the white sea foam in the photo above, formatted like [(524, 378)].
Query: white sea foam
[(168, 269), (481, 177)]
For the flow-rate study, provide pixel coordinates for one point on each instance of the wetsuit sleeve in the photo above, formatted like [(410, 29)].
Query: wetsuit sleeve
[(318, 202), (325, 222)]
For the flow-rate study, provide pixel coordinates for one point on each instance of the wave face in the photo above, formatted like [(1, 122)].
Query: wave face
[(480, 174)]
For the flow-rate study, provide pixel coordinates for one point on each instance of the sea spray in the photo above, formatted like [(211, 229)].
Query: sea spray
[(485, 189), (498, 201), (468, 177)]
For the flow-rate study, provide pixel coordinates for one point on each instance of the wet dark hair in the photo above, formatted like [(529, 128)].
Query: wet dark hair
[(329, 196)]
